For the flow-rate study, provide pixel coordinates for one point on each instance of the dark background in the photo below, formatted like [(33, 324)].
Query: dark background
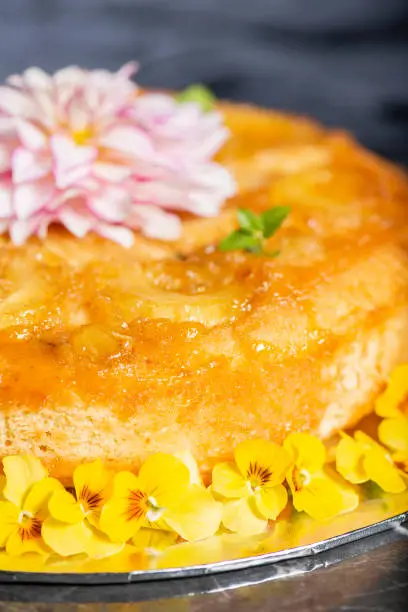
[(342, 61)]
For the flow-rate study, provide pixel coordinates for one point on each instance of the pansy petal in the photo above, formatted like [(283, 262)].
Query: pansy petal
[(16, 546), (165, 477), (124, 514), (307, 451), (383, 472), (350, 460), (36, 501), (262, 459), (154, 540), (241, 516), (66, 539), (228, 481), (394, 434), (8, 521), (99, 546), (65, 508), (271, 501), (91, 481), (197, 515), (321, 499), (21, 473)]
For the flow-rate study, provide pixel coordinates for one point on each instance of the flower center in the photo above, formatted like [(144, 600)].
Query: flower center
[(301, 478), (29, 526), (258, 476), (90, 500), (80, 137)]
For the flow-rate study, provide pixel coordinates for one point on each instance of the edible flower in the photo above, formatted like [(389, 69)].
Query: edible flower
[(360, 459), (389, 403), (255, 230), (161, 493), (72, 527), (90, 151), (252, 485), (393, 429), (22, 514), (313, 491)]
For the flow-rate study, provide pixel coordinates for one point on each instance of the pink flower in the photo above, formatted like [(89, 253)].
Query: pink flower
[(88, 150)]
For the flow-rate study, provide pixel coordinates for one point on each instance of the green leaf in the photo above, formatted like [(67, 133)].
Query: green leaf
[(250, 221), (240, 240), (273, 219), (200, 95)]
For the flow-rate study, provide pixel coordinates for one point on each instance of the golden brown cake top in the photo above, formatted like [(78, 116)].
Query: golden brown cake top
[(91, 319)]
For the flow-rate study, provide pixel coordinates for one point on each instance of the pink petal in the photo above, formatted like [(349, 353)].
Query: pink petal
[(7, 126), (21, 230), (128, 70), (117, 233), (156, 223), (111, 173), (75, 222), (129, 140), (35, 78), (30, 199), (6, 209), (78, 114), (71, 162), (16, 104), (30, 136), (5, 160), (29, 166), (112, 205)]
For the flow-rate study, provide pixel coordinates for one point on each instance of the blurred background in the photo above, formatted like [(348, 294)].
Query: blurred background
[(344, 62)]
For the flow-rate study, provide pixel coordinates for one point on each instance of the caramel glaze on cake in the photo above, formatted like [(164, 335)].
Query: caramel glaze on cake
[(115, 353)]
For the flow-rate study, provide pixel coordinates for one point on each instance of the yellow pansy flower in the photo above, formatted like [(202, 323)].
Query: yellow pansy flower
[(360, 458), (388, 404), (72, 527), (313, 491), (161, 492), (253, 486), (393, 433), (27, 491)]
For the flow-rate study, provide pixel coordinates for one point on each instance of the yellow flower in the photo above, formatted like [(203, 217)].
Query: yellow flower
[(161, 492), (360, 458), (72, 527), (393, 433), (153, 541), (312, 490), (388, 404), (253, 486), (27, 491)]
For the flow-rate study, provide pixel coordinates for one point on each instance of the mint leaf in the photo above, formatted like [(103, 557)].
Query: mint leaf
[(273, 219), (240, 240), (199, 94), (248, 220)]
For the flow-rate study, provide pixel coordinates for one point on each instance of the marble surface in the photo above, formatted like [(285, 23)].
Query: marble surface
[(370, 575)]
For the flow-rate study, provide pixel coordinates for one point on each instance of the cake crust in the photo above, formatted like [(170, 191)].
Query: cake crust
[(119, 353)]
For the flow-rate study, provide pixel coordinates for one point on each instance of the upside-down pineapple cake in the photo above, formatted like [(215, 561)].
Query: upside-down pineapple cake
[(115, 352)]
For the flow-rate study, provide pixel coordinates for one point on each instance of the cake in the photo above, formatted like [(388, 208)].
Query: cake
[(118, 352)]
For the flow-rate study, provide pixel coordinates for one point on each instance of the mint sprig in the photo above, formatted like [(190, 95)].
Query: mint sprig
[(254, 230), (199, 94)]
